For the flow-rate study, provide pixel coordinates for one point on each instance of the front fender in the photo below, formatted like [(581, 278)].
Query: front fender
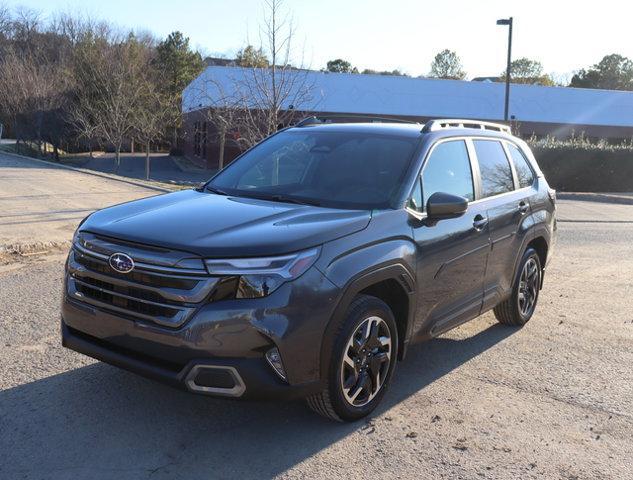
[(357, 270)]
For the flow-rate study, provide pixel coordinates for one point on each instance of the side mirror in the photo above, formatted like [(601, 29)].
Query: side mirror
[(445, 205)]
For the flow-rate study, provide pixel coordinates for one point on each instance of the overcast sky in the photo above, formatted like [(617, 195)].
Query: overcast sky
[(388, 34)]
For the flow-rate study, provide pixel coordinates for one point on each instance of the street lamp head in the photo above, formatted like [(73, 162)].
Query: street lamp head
[(504, 21)]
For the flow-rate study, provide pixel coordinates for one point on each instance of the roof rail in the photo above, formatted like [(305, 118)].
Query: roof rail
[(440, 123), (318, 119)]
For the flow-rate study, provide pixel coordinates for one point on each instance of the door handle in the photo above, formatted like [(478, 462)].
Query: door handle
[(523, 207), (479, 223)]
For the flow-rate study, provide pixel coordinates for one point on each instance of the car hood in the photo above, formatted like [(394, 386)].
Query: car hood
[(212, 225)]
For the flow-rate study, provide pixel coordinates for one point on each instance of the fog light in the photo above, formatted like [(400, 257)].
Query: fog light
[(274, 359)]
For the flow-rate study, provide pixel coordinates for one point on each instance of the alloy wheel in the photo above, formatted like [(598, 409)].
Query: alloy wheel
[(366, 361), (528, 287)]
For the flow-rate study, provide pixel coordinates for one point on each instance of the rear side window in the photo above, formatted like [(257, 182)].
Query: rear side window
[(496, 173), (448, 170), (522, 167)]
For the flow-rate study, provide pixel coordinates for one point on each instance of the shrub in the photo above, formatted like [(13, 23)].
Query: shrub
[(580, 165)]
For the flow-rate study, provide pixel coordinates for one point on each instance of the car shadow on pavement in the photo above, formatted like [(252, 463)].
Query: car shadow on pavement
[(100, 422)]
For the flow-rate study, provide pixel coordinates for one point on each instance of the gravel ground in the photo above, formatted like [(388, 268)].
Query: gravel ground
[(553, 399)]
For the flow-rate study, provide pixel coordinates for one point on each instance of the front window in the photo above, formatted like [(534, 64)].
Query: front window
[(448, 170), (328, 168)]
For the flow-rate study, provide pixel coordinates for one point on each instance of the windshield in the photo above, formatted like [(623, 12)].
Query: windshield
[(333, 169)]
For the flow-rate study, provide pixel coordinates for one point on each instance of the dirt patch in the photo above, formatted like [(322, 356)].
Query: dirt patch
[(20, 252)]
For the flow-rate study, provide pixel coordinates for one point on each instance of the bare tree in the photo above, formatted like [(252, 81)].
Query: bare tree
[(14, 97), (223, 112), (85, 118), (270, 97), (5, 21), (152, 118), (72, 78), (31, 90), (113, 83)]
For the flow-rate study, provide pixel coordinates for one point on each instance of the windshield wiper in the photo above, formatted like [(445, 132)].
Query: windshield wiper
[(286, 199), (217, 191)]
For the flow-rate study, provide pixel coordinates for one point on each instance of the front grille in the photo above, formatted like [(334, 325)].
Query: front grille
[(132, 306), (136, 276), (158, 290)]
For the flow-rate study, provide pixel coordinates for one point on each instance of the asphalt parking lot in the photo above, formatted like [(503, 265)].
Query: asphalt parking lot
[(553, 399)]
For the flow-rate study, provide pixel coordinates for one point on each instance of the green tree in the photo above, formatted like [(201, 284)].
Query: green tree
[(447, 64), (528, 71), (613, 72), (340, 66), (179, 65), (249, 56)]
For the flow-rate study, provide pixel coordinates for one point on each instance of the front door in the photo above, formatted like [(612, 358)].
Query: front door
[(451, 253)]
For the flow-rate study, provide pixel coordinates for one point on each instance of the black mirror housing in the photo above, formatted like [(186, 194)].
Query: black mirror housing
[(445, 205)]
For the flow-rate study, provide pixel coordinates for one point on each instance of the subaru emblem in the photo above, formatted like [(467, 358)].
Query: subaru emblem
[(121, 262)]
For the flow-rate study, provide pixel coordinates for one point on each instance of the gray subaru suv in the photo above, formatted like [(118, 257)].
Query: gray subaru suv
[(308, 266)]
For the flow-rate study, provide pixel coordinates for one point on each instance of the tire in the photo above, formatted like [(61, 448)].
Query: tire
[(520, 307), (358, 362)]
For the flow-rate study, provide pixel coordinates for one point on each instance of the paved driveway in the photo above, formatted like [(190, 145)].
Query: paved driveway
[(162, 168), (41, 204)]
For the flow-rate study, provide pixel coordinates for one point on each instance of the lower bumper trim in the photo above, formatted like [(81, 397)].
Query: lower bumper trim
[(193, 379)]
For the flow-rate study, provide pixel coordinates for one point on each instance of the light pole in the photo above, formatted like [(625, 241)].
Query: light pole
[(508, 22)]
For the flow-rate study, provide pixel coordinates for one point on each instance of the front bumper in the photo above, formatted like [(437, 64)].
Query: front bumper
[(258, 381), (225, 340)]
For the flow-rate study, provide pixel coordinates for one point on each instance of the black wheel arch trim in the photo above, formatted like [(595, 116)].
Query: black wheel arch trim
[(385, 271), (537, 231)]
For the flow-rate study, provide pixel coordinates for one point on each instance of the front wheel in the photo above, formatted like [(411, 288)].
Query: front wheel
[(363, 360), (519, 308)]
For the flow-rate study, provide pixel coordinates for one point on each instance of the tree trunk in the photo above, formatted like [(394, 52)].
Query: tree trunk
[(40, 146), (147, 161), (132, 146), (117, 159), (222, 143), (56, 152)]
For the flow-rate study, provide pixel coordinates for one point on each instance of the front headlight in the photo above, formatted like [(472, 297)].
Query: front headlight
[(76, 236), (259, 277)]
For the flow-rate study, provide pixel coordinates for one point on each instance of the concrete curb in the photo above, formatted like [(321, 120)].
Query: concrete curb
[(108, 176), (619, 198)]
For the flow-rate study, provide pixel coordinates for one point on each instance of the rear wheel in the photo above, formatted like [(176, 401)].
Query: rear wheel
[(519, 308), (362, 363)]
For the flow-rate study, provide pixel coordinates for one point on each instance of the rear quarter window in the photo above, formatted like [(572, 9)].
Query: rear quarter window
[(496, 173), (525, 174)]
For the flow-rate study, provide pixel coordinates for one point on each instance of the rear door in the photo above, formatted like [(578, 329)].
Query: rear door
[(451, 253), (505, 193)]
